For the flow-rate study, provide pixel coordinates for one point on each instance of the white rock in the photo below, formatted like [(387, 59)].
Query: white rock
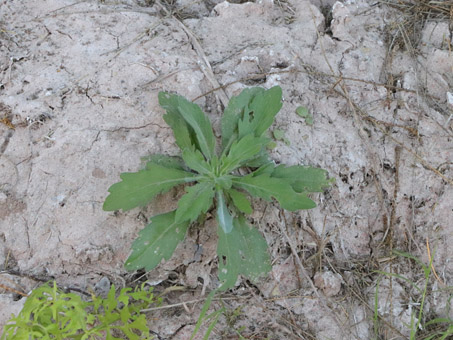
[(450, 98)]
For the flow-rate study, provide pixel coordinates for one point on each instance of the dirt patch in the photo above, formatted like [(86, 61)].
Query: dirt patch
[(78, 87)]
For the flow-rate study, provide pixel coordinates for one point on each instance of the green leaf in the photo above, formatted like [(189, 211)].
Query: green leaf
[(197, 200), (215, 162), (224, 217), (235, 111), (200, 124), (259, 160), (157, 241), (271, 145), (268, 187), (242, 251), (184, 135), (303, 112), (164, 160), (240, 201), (223, 182), (263, 109), (195, 160), (267, 168), (303, 178), (121, 313), (138, 188), (241, 152), (278, 134)]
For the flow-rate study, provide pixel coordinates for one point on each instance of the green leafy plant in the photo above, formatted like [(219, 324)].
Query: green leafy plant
[(213, 178), (280, 135), (50, 313), (303, 112)]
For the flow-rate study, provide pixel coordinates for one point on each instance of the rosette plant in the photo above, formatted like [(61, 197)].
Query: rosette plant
[(219, 178)]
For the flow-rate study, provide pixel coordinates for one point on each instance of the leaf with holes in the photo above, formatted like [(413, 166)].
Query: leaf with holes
[(261, 114), (242, 251), (156, 242), (235, 111)]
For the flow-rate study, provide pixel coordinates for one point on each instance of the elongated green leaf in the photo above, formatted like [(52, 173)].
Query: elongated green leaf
[(164, 160), (157, 241), (303, 178), (215, 163), (241, 152), (197, 200), (224, 217), (235, 111), (268, 187), (242, 251), (184, 134), (259, 160), (195, 160), (138, 188), (263, 109), (240, 201), (200, 124), (267, 168)]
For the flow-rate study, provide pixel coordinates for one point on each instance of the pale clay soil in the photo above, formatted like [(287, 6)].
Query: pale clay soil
[(79, 84)]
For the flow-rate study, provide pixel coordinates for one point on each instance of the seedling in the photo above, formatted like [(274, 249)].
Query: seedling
[(213, 178), (280, 135), (303, 112)]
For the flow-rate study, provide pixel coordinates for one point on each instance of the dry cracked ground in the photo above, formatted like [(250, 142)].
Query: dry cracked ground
[(78, 106)]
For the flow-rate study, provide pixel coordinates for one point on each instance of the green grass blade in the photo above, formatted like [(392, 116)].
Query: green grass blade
[(203, 312), (426, 268), (213, 323), (398, 276), (439, 320)]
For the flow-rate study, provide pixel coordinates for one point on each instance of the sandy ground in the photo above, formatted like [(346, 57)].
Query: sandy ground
[(78, 106)]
